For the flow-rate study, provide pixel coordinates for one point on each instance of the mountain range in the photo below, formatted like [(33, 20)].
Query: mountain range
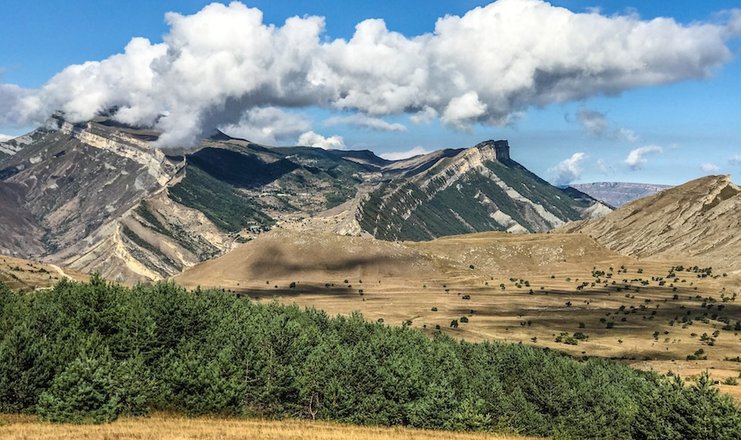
[(99, 197), (619, 193)]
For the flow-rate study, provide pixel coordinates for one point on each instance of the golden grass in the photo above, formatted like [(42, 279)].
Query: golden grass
[(163, 426), (18, 273), (426, 283)]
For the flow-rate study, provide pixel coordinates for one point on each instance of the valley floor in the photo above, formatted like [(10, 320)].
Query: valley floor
[(560, 291), (162, 426)]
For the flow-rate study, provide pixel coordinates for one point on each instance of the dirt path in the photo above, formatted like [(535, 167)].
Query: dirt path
[(61, 272)]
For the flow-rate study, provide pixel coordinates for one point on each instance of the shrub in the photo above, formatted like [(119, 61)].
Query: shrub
[(85, 392)]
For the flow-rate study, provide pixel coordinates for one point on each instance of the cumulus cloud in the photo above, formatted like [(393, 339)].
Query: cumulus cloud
[(568, 170), (595, 123), (461, 110), (268, 125), (312, 139), (365, 121), (424, 116), (399, 155), (479, 68), (734, 22), (710, 167), (637, 158)]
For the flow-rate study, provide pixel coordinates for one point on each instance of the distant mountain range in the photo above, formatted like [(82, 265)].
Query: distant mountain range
[(97, 196), (619, 193)]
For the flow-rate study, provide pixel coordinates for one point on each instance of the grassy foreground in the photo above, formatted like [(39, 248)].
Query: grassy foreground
[(163, 426)]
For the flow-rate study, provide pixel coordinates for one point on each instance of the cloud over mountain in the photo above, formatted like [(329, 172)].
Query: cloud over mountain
[(312, 139), (568, 170), (637, 157), (268, 125), (365, 121), (399, 155), (223, 62)]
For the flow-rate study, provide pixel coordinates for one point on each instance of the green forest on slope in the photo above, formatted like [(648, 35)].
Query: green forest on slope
[(89, 352)]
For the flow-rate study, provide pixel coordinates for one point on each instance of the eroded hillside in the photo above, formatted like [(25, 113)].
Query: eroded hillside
[(700, 219)]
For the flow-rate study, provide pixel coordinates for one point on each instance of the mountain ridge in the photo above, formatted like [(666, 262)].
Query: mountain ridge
[(96, 196), (618, 194), (698, 219)]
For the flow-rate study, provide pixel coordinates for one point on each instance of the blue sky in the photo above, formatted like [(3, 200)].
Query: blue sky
[(695, 123)]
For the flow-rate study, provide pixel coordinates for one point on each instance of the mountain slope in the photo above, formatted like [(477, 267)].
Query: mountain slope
[(619, 193), (72, 190), (701, 218), (461, 191)]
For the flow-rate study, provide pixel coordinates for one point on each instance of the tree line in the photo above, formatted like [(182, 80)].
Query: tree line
[(90, 352)]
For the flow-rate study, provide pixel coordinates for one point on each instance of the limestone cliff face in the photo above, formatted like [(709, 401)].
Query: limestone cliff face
[(700, 219), (470, 190), (73, 193)]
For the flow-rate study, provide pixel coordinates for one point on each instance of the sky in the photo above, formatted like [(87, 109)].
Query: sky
[(583, 90)]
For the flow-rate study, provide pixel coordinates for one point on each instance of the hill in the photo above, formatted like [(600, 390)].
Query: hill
[(290, 254), (699, 220), (97, 196), (618, 194)]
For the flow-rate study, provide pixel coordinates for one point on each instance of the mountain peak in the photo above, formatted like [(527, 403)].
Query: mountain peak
[(500, 147)]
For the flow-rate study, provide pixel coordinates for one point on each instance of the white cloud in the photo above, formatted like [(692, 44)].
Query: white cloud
[(637, 158), (482, 67), (365, 121), (5, 137), (312, 139), (627, 134), (735, 159), (462, 110), (734, 22), (710, 167), (424, 116), (399, 155), (268, 125), (595, 123), (568, 170)]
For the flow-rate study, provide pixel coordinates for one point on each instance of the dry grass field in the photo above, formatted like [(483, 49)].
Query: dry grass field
[(18, 273), (561, 291), (161, 426)]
